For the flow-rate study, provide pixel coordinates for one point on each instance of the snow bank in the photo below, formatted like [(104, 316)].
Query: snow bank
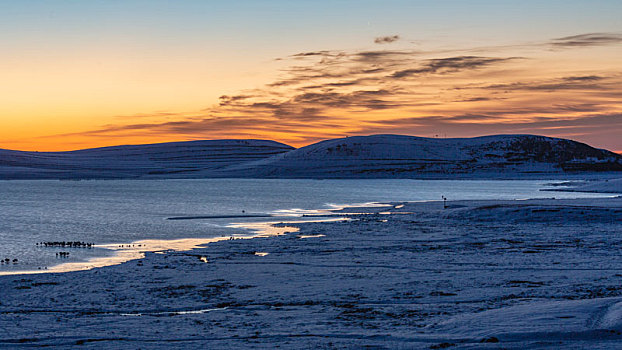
[(540, 320), (604, 186)]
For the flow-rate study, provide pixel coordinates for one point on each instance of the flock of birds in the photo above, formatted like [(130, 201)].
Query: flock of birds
[(56, 244), (8, 261), (63, 244)]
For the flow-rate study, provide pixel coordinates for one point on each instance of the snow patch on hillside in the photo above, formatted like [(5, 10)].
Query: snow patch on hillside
[(397, 156), (166, 160)]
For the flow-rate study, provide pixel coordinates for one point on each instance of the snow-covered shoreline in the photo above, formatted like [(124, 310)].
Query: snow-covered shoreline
[(613, 185), (532, 273), (124, 252)]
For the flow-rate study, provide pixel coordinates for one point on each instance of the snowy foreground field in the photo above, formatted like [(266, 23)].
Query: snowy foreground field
[(478, 274)]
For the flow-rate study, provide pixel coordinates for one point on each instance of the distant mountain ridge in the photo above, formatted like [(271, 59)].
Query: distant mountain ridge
[(375, 156)]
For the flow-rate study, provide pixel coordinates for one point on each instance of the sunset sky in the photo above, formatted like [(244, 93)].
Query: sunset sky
[(81, 74)]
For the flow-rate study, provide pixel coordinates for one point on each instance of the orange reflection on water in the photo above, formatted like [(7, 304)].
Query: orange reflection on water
[(137, 250)]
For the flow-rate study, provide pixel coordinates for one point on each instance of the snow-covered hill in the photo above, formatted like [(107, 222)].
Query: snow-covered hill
[(397, 156), (375, 156), (190, 159)]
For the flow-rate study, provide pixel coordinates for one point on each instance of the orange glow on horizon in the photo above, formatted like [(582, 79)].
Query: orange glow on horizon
[(102, 99)]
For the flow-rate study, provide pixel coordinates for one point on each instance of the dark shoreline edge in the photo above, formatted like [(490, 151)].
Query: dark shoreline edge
[(220, 217)]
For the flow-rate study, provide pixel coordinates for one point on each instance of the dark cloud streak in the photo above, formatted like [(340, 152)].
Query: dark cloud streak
[(451, 65), (386, 39), (588, 39), (590, 82)]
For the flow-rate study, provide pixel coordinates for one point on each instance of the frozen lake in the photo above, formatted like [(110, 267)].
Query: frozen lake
[(124, 211)]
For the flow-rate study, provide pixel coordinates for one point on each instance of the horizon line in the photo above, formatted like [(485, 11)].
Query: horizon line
[(283, 143)]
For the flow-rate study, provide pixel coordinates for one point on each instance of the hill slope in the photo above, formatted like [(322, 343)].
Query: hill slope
[(375, 156), (397, 156), (164, 160)]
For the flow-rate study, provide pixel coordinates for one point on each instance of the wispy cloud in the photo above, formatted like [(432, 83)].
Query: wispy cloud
[(450, 65), (590, 82), (589, 39)]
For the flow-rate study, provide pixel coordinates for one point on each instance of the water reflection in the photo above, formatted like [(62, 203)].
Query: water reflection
[(137, 250)]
